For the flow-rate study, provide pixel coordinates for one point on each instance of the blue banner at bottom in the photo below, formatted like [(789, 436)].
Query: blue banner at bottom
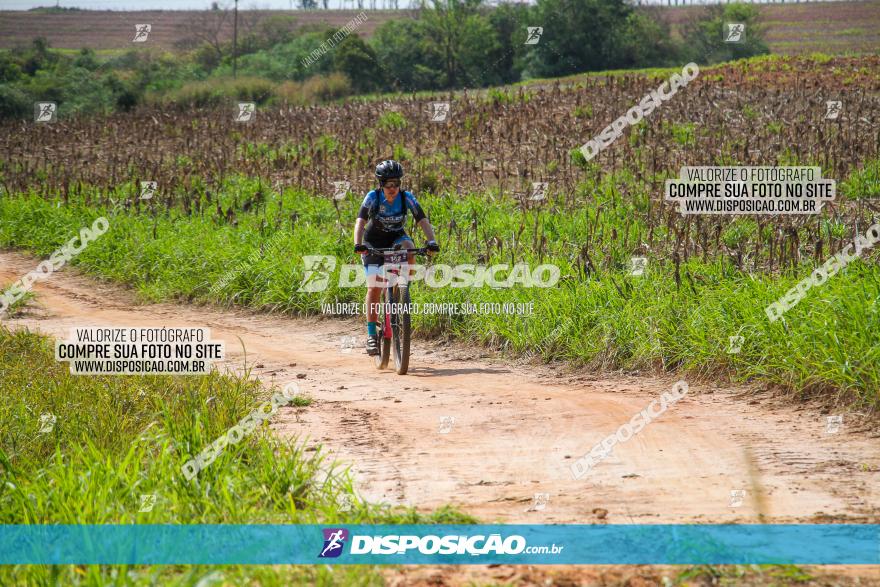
[(821, 544)]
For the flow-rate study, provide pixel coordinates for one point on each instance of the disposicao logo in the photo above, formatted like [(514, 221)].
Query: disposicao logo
[(334, 542), (403, 544)]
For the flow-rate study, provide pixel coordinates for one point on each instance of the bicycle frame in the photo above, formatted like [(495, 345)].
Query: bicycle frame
[(393, 258)]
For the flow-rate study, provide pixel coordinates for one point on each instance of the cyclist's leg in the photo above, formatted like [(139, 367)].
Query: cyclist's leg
[(374, 294), (373, 268)]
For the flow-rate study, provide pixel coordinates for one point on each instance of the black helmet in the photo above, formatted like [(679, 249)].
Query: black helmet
[(389, 169)]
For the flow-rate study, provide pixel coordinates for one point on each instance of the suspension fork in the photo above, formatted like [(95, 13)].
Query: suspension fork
[(386, 328)]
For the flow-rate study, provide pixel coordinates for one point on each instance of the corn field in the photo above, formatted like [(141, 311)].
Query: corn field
[(496, 144)]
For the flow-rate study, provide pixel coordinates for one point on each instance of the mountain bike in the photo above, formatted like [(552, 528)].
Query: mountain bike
[(394, 313)]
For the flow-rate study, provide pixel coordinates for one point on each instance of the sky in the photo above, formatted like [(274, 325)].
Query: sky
[(173, 4), (204, 4), (143, 4)]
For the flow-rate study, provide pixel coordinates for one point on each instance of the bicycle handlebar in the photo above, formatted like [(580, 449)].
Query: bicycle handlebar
[(386, 252)]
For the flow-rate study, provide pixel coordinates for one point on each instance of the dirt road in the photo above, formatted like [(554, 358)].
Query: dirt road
[(516, 428)]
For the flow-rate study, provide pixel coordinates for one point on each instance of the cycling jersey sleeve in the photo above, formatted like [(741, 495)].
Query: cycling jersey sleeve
[(367, 205), (414, 207)]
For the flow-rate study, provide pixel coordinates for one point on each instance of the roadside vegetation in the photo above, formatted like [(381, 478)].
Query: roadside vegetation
[(227, 190), (83, 450), (678, 316), (449, 44)]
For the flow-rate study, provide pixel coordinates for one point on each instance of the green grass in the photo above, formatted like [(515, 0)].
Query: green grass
[(16, 308), (855, 32), (116, 438), (737, 575), (863, 182), (602, 318), (756, 63), (98, 52), (391, 121)]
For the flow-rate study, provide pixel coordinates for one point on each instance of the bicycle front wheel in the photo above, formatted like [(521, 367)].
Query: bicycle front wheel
[(401, 329), (382, 359)]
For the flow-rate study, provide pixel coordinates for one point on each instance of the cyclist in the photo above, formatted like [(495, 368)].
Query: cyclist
[(380, 225)]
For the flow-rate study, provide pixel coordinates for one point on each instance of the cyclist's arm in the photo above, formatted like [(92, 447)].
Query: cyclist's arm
[(362, 218), (426, 227), (419, 216), (359, 225)]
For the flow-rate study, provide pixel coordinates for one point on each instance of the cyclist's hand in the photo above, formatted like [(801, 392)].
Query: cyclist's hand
[(361, 248), (433, 248)]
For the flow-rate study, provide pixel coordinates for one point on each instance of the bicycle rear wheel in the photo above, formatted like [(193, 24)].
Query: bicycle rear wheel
[(401, 329)]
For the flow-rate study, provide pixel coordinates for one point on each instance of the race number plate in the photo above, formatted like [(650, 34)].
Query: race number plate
[(393, 258)]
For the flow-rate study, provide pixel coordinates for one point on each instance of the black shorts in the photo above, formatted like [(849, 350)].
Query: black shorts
[(382, 240)]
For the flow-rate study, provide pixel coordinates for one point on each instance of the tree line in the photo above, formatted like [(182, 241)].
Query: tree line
[(446, 45)]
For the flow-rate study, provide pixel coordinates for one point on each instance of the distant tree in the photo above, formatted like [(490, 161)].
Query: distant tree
[(509, 22), (251, 34), (704, 37), (358, 61), (39, 57), (86, 59), (10, 69), (646, 41), (579, 35), (407, 56), (14, 102), (207, 56), (126, 95), (461, 37), (276, 29), (206, 27)]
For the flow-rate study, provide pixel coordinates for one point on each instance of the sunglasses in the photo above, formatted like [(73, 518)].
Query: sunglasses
[(392, 183)]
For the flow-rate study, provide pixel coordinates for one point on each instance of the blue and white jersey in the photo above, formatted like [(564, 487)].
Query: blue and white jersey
[(388, 216)]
